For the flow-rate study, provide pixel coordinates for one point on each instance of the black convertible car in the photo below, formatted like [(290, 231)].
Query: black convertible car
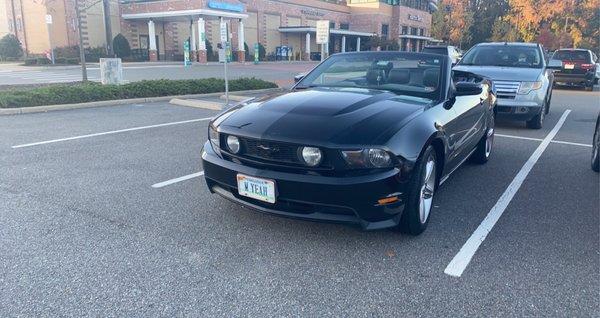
[(364, 138)]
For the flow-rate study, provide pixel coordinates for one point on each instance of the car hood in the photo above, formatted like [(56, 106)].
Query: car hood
[(322, 116), (501, 73)]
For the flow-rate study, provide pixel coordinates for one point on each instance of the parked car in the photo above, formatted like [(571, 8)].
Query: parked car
[(579, 67), (596, 147), (448, 50), (521, 79), (364, 138)]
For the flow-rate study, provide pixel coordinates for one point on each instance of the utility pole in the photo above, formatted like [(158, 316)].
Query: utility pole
[(107, 27), (84, 77)]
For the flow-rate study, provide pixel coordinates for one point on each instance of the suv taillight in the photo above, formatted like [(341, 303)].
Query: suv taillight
[(588, 66)]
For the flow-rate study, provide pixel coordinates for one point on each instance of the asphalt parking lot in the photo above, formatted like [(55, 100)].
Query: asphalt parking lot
[(103, 212)]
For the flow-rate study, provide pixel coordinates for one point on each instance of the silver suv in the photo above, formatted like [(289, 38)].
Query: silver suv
[(520, 77)]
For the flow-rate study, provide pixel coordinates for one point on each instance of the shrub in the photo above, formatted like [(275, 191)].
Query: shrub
[(60, 60), (72, 61), (262, 52), (67, 51), (121, 46), (88, 92), (93, 54), (10, 47), (43, 61), (30, 61)]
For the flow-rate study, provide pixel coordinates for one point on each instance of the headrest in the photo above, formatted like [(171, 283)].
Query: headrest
[(375, 76), (399, 76), (431, 77)]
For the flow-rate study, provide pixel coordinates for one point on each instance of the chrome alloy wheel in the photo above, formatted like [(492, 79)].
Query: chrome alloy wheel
[(427, 190), (489, 142)]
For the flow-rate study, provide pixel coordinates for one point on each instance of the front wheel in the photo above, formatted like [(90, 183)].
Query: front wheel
[(596, 151), (421, 190), (537, 121), (483, 151)]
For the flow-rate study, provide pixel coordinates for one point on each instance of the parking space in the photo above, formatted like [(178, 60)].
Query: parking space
[(104, 212)]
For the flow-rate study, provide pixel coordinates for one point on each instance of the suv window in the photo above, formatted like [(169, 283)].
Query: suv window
[(572, 55)]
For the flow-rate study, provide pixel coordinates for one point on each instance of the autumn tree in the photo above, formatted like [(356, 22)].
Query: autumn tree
[(452, 22)]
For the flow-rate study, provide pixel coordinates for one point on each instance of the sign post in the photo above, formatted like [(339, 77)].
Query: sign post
[(49, 24), (323, 35), (223, 52)]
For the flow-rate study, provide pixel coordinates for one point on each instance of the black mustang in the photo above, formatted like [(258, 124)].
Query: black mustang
[(364, 138)]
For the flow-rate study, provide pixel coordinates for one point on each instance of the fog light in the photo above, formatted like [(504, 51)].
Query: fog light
[(233, 143), (311, 156), (388, 200)]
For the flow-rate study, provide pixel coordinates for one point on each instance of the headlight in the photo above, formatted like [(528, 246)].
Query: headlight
[(527, 87), (233, 143), (367, 158), (213, 136), (311, 156)]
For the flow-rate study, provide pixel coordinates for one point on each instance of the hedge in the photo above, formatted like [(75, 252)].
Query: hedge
[(89, 92)]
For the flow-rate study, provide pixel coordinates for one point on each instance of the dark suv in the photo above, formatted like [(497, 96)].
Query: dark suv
[(578, 68)]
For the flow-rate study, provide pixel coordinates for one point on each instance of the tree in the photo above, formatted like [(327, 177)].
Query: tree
[(485, 14), (452, 21), (121, 46), (10, 47), (502, 31)]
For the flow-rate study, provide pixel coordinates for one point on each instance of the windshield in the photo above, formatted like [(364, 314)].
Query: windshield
[(565, 55), (504, 55), (409, 74)]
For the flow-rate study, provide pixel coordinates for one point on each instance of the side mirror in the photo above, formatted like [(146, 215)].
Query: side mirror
[(467, 88), (299, 77), (554, 65)]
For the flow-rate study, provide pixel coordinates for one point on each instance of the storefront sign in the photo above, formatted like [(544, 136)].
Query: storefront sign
[(226, 6), (313, 13), (322, 31), (186, 53), (223, 29), (415, 17)]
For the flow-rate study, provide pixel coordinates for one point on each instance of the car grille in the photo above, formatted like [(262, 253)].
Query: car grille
[(270, 150), (506, 89)]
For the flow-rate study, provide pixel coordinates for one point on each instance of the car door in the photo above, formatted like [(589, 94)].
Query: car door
[(469, 125)]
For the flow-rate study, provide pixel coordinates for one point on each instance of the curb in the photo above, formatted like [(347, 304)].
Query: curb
[(197, 103), (117, 102)]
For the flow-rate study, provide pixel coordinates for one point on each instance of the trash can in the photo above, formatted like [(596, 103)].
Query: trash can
[(111, 71)]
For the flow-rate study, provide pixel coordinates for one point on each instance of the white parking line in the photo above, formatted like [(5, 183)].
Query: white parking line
[(462, 259), (110, 132), (169, 182), (538, 139)]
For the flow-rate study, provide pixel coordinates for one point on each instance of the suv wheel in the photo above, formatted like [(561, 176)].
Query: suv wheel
[(537, 121)]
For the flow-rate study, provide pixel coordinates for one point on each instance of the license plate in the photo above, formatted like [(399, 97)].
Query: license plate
[(256, 188), (569, 66)]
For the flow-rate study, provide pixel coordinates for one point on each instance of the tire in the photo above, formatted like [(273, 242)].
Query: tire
[(596, 150), (483, 151), (548, 103), (537, 121), (589, 88), (422, 188)]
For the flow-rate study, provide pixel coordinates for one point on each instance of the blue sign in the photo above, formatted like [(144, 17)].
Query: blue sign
[(226, 6)]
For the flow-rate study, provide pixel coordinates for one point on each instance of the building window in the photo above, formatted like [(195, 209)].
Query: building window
[(413, 31), (421, 31), (332, 25), (18, 24), (404, 29), (385, 30), (344, 26)]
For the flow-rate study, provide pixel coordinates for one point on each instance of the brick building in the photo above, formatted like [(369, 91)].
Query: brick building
[(157, 29), (161, 27)]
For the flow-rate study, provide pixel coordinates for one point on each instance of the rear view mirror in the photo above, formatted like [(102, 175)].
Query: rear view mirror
[(554, 64), (299, 77), (468, 88)]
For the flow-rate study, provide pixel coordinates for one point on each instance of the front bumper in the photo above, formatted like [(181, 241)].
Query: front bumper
[(521, 107), (350, 200)]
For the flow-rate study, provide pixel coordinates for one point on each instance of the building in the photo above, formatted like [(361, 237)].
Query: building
[(3, 19), (162, 27), (27, 19), (158, 29)]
